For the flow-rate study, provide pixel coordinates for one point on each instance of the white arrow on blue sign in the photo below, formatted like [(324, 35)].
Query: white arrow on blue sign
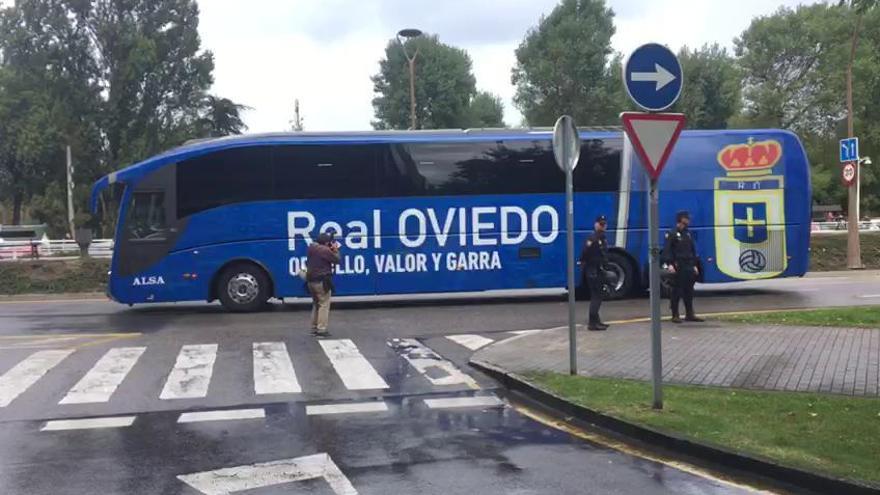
[(652, 77), (849, 150)]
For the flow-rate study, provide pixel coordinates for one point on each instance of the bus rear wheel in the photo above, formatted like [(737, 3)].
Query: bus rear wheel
[(243, 287)]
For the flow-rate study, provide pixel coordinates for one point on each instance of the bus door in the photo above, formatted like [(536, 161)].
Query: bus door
[(148, 232)]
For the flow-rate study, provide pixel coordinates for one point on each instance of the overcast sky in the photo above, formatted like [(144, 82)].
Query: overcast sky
[(323, 52)]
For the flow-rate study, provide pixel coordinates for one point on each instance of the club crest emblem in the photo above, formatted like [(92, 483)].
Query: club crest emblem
[(750, 211)]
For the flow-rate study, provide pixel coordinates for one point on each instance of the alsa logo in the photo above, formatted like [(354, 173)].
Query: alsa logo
[(151, 280)]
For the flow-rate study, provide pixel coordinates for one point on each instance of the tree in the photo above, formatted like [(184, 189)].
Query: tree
[(790, 64), (117, 81), (712, 87), (444, 86), (220, 117), (564, 66), (28, 140), (48, 98), (794, 67), (486, 110)]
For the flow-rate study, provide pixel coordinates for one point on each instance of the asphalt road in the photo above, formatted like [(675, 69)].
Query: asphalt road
[(419, 419)]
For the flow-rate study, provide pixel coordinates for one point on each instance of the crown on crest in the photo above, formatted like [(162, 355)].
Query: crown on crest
[(751, 156)]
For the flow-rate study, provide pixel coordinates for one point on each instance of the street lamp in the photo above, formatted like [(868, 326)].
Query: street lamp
[(410, 34)]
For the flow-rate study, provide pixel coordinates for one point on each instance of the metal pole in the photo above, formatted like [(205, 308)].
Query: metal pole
[(656, 356), (853, 246), (70, 212), (569, 242), (412, 92)]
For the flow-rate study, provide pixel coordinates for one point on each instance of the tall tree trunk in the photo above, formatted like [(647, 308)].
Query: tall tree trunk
[(17, 201), (853, 247)]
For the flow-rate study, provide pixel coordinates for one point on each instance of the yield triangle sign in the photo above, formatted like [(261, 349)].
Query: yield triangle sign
[(653, 136)]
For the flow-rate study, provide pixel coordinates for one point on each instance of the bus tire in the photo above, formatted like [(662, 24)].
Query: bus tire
[(621, 278), (243, 287)]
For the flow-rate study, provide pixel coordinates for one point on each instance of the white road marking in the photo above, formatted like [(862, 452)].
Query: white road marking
[(222, 415), (26, 373), (427, 362), (351, 366), (472, 342), (461, 402), (88, 423), (191, 374), (105, 376), (273, 370), (252, 476), (869, 296), (346, 408)]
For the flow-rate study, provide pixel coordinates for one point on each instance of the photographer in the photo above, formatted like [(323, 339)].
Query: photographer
[(322, 255)]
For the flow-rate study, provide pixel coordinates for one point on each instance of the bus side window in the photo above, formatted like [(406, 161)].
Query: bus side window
[(529, 168), (444, 168), (146, 216), (225, 177), (331, 171), (598, 168)]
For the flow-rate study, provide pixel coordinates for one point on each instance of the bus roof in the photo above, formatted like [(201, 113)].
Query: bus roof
[(198, 147)]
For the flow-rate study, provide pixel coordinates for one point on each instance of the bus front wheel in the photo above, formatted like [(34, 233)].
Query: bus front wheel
[(243, 287)]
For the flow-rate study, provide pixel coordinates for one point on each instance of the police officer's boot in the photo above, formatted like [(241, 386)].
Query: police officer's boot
[(595, 325)]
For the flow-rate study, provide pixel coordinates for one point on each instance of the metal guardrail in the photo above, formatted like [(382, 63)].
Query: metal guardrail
[(35, 249)]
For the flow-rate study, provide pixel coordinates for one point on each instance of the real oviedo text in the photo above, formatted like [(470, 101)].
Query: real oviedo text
[(464, 238)]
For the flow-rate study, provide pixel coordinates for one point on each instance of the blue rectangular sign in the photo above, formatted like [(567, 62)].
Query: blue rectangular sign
[(849, 150)]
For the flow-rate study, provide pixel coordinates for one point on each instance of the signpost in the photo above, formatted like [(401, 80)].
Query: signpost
[(849, 154), (653, 79), (567, 151)]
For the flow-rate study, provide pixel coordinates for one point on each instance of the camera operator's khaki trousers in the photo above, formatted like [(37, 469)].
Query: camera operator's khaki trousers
[(320, 306)]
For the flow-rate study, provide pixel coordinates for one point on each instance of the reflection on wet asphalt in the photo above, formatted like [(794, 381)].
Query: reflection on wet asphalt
[(408, 449)]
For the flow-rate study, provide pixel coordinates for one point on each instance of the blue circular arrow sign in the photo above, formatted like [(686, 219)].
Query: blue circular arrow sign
[(652, 77)]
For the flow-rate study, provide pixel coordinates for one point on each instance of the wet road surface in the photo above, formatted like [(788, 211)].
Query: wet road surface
[(373, 398)]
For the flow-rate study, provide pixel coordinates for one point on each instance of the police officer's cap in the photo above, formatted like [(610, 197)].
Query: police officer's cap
[(681, 215), (601, 219)]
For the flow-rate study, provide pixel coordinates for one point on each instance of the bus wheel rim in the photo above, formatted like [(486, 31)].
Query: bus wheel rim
[(243, 288), (619, 276)]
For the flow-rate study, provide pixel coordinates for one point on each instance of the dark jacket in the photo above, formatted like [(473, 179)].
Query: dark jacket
[(319, 262), (594, 256), (679, 248)]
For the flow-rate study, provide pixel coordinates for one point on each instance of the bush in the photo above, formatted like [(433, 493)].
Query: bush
[(53, 277)]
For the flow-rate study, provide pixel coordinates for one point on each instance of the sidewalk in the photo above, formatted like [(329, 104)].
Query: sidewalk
[(809, 359)]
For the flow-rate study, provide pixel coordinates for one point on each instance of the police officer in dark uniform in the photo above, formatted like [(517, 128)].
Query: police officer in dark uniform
[(680, 258), (593, 259)]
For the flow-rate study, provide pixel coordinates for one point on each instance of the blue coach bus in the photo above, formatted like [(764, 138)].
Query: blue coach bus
[(443, 211)]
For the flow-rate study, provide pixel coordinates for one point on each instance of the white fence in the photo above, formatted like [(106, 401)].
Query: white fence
[(45, 248), (872, 225), (103, 248)]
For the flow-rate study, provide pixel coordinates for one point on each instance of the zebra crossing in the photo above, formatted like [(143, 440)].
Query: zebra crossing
[(276, 371)]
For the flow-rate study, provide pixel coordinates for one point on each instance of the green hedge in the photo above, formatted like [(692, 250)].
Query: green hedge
[(90, 275), (829, 251), (53, 277)]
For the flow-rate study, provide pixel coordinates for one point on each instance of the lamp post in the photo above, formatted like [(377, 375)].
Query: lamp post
[(410, 34)]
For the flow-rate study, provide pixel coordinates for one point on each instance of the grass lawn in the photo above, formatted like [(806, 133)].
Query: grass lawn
[(859, 316), (830, 434)]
